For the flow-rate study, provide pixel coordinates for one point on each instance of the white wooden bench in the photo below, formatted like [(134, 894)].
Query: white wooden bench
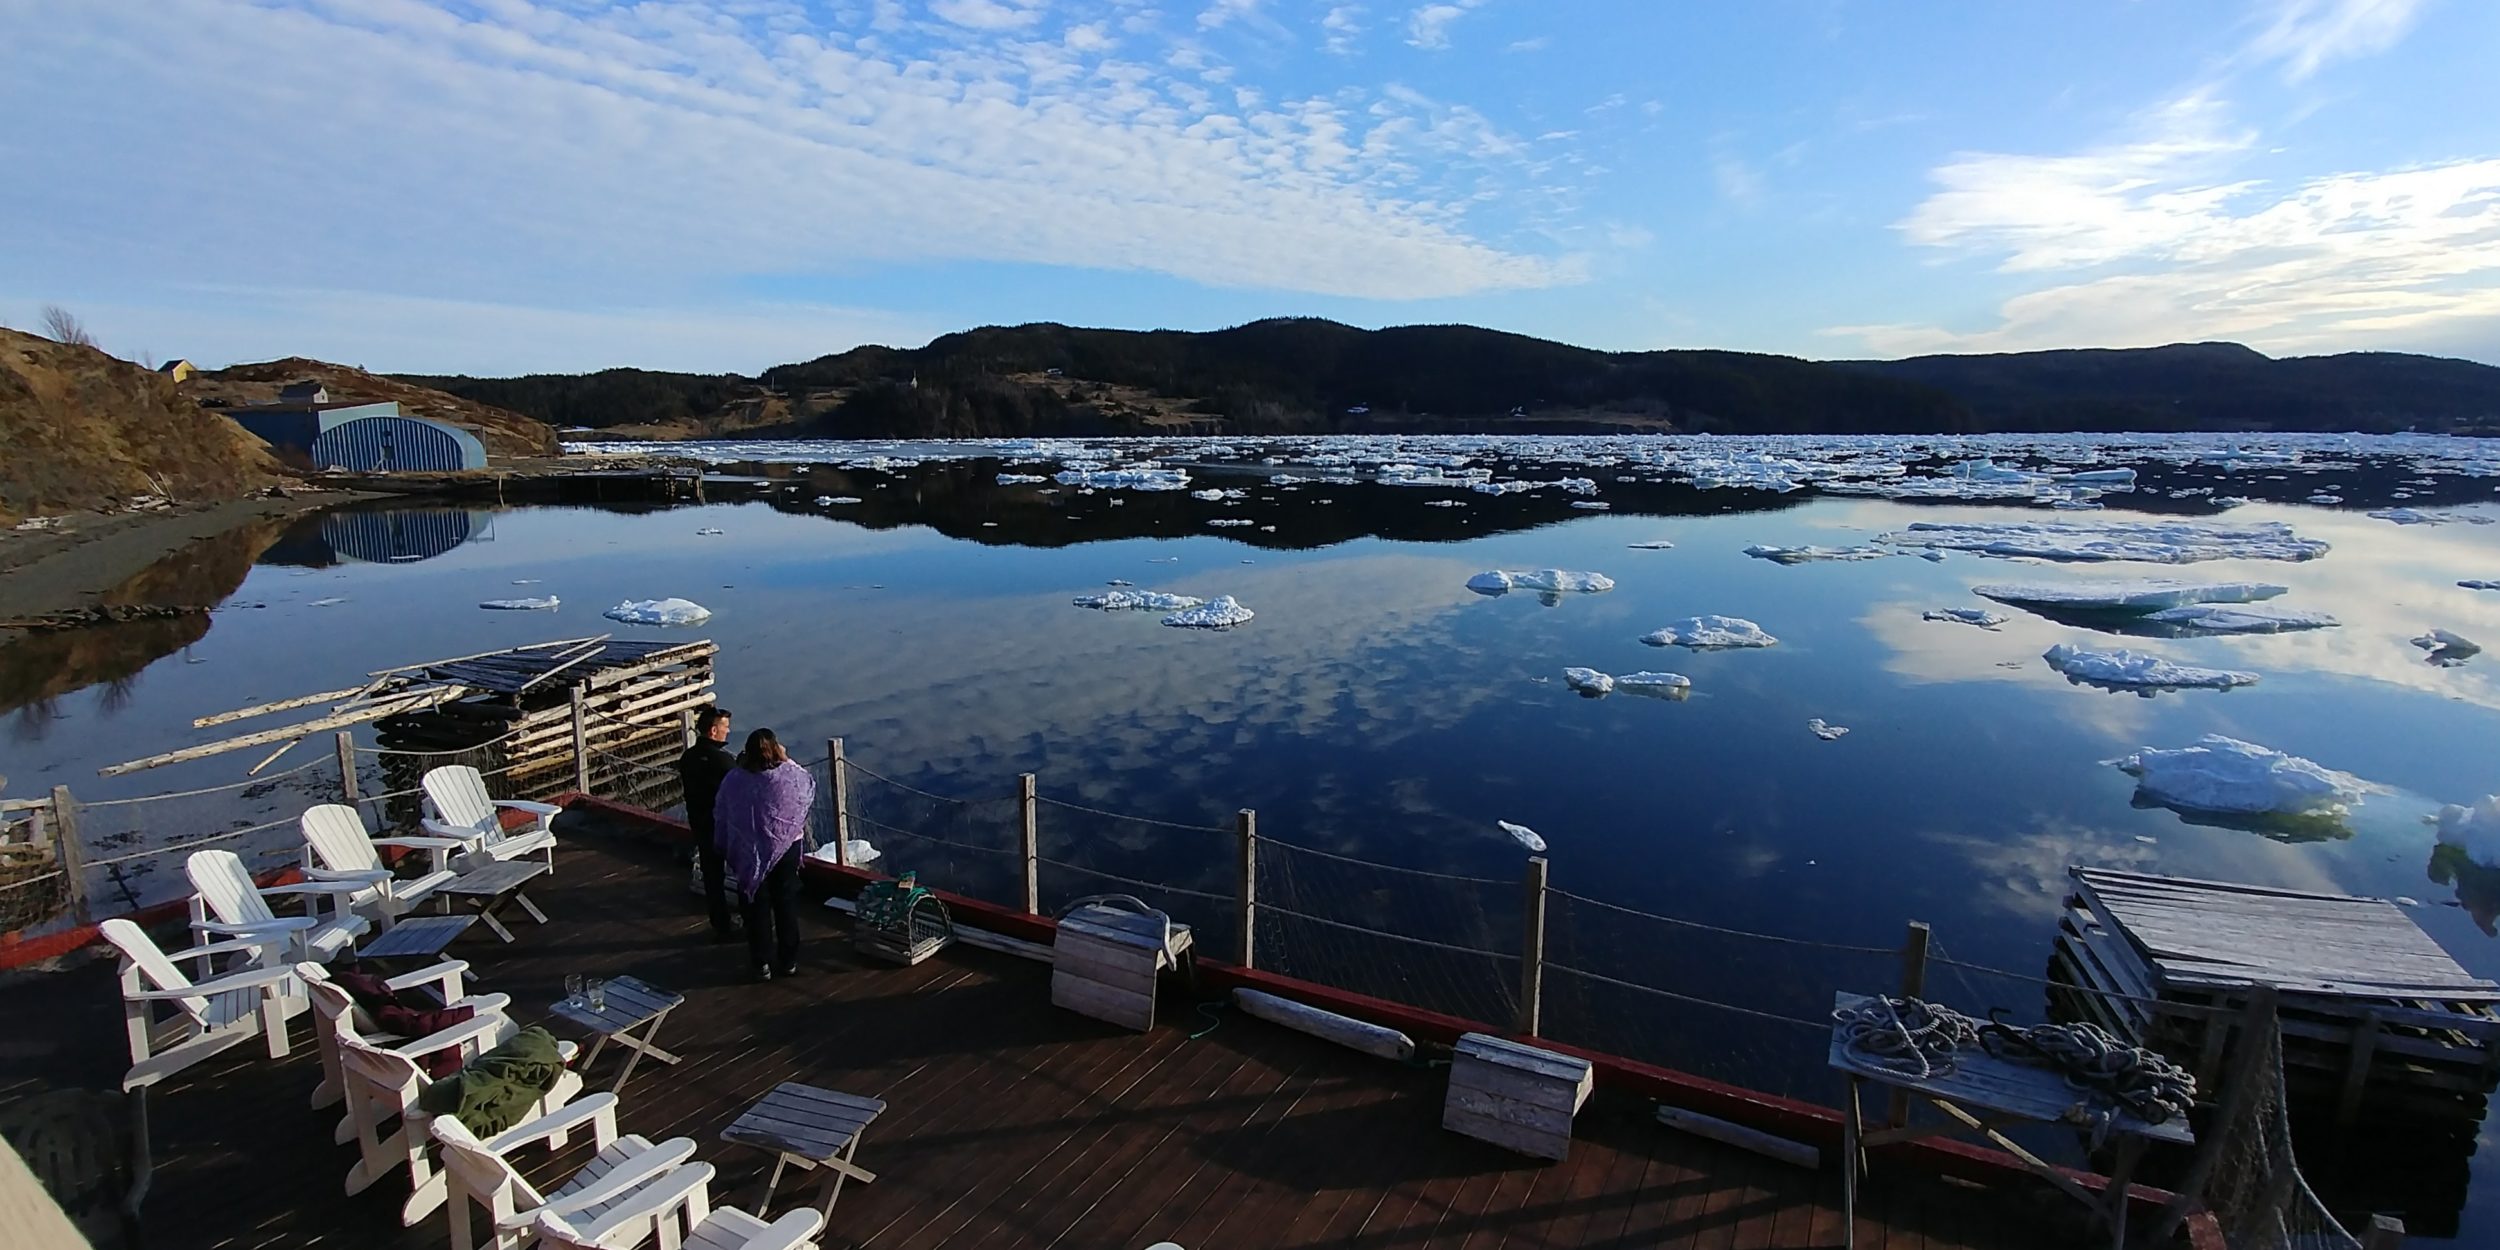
[(1104, 962), (1514, 1096)]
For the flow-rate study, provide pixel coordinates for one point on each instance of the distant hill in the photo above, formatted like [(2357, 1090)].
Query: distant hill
[(1304, 375), (84, 430), (504, 433), (2209, 386)]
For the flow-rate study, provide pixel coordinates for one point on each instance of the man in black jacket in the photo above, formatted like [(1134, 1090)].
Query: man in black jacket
[(701, 769)]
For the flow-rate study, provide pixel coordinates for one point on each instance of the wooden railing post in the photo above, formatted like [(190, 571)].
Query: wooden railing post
[(347, 767), (1249, 825), (1913, 985), (685, 730), (2241, 1086), (581, 743), (1532, 949), (838, 787), (68, 853), (1028, 809)]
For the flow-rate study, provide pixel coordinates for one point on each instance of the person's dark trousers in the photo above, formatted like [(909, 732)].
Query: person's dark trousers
[(715, 880), (773, 915)]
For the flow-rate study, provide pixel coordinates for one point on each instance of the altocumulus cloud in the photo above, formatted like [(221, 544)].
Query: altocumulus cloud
[(523, 146)]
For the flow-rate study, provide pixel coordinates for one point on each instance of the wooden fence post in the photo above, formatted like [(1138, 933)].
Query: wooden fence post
[(685, 730), (1028, 808), (581, 743), (1532, 949), (347, 767), (2240, 1087), (838, 780), (1913, 985), (1249, 825), (70, 855)]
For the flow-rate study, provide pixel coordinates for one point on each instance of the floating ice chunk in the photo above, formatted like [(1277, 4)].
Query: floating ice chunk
[(835, 501), (1223, 522), (2208, 618), (2479, 584), (1655, 544), (1932, 556), (2323, 497), (659, 612), (2232, 501), (1656, 685), (1828, 733), (1136, 600), (2447, 648), (1980, 617), (331, 602), (1588, 680), (1119, 581), (1593, 505), (2136, 670), (1704, 632), (1130, 479), (542, 603), (1990, 471), (1445, 503), (2129, 596), (1163, 559), (527, 581), (2474, 830), (1221, 612), (2154, 542), (1020, 479), (707, 530), (1212, 495), (2222, 774), (1802, 555), (2100, 476), (1550, 581), (1527, 836), (824, 501)]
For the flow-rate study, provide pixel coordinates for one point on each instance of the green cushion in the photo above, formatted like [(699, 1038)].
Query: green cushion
[(496, 1090)]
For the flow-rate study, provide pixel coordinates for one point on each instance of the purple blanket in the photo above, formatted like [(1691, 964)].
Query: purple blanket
[(758, 818)]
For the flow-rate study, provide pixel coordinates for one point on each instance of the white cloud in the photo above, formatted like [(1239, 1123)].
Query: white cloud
[(546, 154), (1223, 12), (1537, 44), (2158, 240), (1343, 23), (2306, 34), (1428, 26)]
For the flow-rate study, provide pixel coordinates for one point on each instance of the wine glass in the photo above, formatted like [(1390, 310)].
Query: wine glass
[(573, 989), (597, 990)]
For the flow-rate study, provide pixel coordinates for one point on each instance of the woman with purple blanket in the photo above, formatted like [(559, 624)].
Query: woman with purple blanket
[(761, 819)]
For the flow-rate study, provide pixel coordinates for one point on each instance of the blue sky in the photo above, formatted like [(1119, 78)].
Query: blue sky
[(512, 185)]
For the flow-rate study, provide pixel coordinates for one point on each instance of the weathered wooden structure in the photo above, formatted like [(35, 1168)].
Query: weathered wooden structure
[(1515, 1096), (1104, 963), (2373, 1013)]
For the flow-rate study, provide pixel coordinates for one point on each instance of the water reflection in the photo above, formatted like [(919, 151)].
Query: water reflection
[(381, 534)]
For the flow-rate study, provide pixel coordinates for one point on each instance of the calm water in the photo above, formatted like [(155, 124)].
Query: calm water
[(1377, 707)]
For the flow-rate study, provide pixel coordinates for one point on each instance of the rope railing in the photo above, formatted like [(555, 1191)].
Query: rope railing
[(1816, 943), (859, 822), (857, 770), (1693, 1000), (1047, 801), (248, 784), (193, 844), (1424, 873), (1156, 886)]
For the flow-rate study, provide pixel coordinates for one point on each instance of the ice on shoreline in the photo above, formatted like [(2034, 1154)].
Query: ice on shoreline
[(543, 603), (659, 612), (1549, 581), (1221, 612), (2149, 542), (2139, 596), (1136, 600), (2213, 618), (2139, 671), (1710, 632), (1980, 617), (1808, 554), (2222, 774)]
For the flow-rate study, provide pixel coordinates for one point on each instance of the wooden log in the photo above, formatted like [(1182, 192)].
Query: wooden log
[(1028, 812), (1371, 1039), (72, 856), (281, 705), (425, 696), (1532, 948), (1796, 1154), (1247, 938)]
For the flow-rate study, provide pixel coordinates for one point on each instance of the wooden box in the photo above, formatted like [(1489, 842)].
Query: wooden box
[(1514, 1096), (1104, 962)]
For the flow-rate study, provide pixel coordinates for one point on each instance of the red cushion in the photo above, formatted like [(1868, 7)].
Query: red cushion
[(370, 992), (415, 1022)]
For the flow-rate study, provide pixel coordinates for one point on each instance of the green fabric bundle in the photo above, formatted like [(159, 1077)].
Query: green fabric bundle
[(495, 1091)]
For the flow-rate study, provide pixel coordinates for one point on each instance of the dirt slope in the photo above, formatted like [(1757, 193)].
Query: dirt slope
[(82, 430), (504, 433)]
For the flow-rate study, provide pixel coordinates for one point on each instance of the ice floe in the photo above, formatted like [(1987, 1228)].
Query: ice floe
[(1226, 522), (2139, 671), (1828, 733), (331, 602), (1549, 581), (659, 612), (1661, 685), (707, 531), (1126, 479), (542, 603), (1136, 600), (2153, 542), (1708, 632), (2222, 774), (1221, 612), (1020, 479), (1980, 617), (2476, 583), (2138, 596), (1528, 837), (1593, 505), (1588, 680), (2448, 648), (1809, 554), (2416, 516), (2473, 829), (1655, 544), (2223, 618)]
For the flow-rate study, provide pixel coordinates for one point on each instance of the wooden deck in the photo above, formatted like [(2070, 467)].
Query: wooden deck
[(1009, 1123)]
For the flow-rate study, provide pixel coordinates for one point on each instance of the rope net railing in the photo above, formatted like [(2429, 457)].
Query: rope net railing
[(971, 845), (1441, 941), (1181, 869)]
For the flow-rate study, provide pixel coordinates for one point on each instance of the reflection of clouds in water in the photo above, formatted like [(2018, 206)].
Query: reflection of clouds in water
[(2024, 874), (1943, 652)]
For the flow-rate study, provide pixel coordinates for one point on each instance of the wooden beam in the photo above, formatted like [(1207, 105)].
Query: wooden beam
[(281, 705), (422, 697), (1249, 888), (581, 743), (71, 856), (1532, 948), (1030, 835)]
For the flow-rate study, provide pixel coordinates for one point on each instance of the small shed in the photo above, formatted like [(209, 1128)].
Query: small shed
[(179, 370), (303, 393)]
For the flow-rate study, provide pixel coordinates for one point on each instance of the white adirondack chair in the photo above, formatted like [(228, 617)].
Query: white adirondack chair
[(227, 904), (456, 795), (482, 1174), (211, 1014), (335, 1014), (677, 1210), (382, 1091), (338, 848)]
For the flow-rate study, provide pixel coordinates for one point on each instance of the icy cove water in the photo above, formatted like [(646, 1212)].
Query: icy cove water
[(1376, 706)]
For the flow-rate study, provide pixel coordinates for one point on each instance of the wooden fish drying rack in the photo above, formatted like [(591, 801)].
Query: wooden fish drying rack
[(544, 704)]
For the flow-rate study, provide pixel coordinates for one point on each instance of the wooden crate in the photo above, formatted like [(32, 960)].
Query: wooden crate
[(1514, 1096), (1104, 963)]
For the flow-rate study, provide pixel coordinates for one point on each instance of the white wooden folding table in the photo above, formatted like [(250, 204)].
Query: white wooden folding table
[(813, 1128), (627, 1004)]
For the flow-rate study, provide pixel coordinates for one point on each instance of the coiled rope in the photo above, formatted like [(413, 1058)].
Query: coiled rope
[(1923, 1040)]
